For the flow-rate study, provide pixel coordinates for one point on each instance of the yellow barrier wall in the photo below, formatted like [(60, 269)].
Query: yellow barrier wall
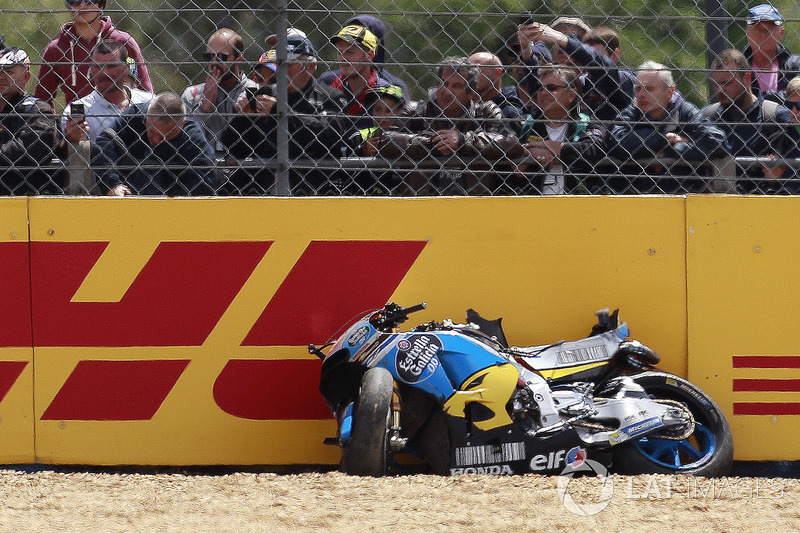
[(173, 331), (743, 293), (16, 353)]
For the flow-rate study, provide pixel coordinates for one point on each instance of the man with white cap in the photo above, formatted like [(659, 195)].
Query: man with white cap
[(772, 63), (27, 129)]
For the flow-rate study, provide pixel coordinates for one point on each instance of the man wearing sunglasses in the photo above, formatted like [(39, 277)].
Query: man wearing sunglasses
[(212, 102), (755, 126), (67, 59)]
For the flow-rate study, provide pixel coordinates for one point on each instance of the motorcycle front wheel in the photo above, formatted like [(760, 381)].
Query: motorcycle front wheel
[(708, 451), (367, 451)]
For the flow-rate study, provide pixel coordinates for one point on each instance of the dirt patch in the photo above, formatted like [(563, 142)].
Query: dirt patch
[(58, 501)]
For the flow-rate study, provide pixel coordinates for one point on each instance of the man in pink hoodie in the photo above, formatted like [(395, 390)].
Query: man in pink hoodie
[(66, 60)]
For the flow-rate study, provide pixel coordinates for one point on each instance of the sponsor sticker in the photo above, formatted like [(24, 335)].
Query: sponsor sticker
[(641, 427), (416, 357), (494, 470), (490, 453), (358, 337), (558, 458)]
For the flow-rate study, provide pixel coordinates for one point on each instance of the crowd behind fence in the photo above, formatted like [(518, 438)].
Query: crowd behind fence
[(407, 100)]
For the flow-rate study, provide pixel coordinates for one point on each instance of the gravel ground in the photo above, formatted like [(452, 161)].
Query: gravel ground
[(51, 500)]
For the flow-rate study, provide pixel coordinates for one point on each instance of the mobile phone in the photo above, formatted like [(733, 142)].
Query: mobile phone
[(251, 98), (77, 112)]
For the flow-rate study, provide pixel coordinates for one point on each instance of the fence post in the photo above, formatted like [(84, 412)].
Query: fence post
[(724, 175), (717, 24), (282, 186)]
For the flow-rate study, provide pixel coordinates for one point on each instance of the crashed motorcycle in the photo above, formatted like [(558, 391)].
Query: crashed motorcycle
[(461, 399)]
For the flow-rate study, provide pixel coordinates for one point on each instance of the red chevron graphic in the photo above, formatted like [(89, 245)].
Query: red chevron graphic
[(115, 390), (177, 299), (271, 390), (330, 283), (15, 300), (9, 373)]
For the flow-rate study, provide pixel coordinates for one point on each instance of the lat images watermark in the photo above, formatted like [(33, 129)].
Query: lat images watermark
[(578, 499)]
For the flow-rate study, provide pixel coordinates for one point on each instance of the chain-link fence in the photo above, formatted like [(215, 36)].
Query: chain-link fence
[(408, 98)]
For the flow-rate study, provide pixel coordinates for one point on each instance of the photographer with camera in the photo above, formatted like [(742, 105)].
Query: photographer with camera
[(316, 123)]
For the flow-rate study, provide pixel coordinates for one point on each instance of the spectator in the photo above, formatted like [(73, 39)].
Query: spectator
[(755, 127), (112, 73), (608, 89), (526, 56), (452, 122), (791, 176), (559, 137), (379, 30), (489, 88), (316, 126), (27, 130), (154, 149), (772, 64), (387, 105), (66, 60), (571, 27), (356, 48), (211, 103), (265, 69), (660, 123)]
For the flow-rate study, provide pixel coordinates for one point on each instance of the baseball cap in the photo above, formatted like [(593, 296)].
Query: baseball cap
[(297, 44), (355, 34), (764, 13), (268, 59), (13, 56), (392, 91), (574, 22)]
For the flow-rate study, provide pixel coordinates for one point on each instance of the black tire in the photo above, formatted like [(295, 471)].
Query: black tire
[(708, 451), (367, 451)]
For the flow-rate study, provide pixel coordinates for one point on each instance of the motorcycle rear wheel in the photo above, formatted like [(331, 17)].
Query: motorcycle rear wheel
[(708, 451), (367, 451)]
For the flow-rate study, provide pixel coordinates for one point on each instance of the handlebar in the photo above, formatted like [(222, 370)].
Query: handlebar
[(392, 314)]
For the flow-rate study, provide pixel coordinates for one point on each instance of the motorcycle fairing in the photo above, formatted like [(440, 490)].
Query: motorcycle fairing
[(509, 452), (492, 388)]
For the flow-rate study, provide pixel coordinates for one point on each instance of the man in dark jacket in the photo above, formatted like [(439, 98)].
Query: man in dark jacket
[(773, 65), (155, 150), (661, 124), (489, 88), (27, 130), (316, 125), (755, 126), (452, 122)]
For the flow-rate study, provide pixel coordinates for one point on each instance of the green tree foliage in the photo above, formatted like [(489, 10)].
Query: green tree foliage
[(172, 33)]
